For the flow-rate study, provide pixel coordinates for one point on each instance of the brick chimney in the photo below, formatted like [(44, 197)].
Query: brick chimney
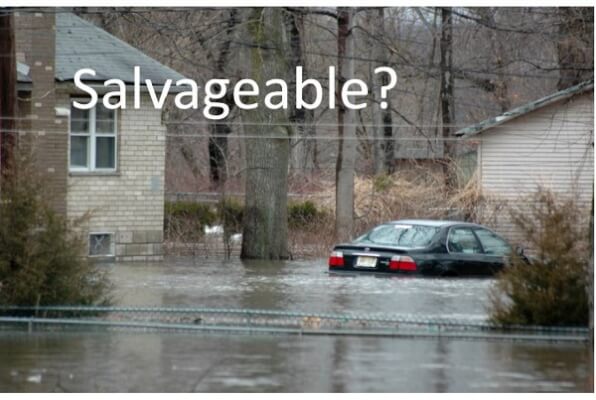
[(35, 32)]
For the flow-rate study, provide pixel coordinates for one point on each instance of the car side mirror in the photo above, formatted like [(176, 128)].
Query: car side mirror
[(519, 251)]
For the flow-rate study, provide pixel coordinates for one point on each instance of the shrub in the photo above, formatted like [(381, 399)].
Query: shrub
[(302, 214), (199, 212), (42, 258), (185, 220), (552, 289), (382, 183)]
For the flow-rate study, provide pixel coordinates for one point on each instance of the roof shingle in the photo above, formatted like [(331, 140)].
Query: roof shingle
[(526, 108), (80, 44)]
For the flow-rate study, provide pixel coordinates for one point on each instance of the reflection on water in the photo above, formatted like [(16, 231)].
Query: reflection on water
[(300, 286), (138, 361)]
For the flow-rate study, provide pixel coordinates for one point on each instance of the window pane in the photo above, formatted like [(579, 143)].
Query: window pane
[(105, 152), (100, 244), (78, 151), (402, 235), (79, 120), (463, 241), (492, 243), (104, 120)]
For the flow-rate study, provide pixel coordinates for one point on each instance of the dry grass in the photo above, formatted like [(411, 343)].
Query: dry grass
[(413, 193)]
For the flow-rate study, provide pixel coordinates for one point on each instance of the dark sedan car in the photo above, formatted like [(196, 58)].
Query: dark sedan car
[(443, 248)]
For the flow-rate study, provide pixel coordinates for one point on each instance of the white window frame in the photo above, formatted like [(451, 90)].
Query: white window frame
[(92, 136)]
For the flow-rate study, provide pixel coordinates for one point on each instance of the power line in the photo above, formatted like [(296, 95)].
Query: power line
[(284, 136), (584, 119)]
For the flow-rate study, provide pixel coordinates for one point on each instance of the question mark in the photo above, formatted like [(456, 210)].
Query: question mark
[(389, 86)]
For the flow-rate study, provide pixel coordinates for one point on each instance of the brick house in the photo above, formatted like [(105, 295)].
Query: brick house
[(107, 162)]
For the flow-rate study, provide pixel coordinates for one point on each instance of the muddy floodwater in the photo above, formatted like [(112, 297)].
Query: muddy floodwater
[(117, 361)]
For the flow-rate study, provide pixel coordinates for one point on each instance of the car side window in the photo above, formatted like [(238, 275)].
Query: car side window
[(492, 244), (463, 240)]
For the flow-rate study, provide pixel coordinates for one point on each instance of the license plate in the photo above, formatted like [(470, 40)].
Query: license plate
[(366, 262)]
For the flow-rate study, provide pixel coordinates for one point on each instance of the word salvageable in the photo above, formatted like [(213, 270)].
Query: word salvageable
[(245, 93)]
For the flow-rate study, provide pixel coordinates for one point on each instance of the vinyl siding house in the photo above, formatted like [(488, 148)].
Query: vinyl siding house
[(109, 163), (548, 142)]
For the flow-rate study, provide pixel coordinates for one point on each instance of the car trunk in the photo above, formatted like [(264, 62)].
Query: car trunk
[(383, 255)]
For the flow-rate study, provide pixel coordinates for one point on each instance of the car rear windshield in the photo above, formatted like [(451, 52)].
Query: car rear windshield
[(402, 235)]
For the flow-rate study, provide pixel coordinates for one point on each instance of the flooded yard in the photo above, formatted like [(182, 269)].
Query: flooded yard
[(92, 360)]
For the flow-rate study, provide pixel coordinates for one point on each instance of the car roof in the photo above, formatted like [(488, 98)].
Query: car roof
[(431, 222)]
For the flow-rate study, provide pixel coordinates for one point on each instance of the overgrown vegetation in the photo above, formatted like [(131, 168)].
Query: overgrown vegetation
[(552, 289), (311, 229), (302, 214), (185, 222), (414, 192), (190, 210), (418, 191), (42, 258), (187, 219)]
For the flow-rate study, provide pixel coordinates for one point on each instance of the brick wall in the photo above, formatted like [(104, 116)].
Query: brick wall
[(129, 203), (35, 38)]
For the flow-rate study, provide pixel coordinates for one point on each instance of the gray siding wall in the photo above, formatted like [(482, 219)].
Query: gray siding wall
[(551, 147)]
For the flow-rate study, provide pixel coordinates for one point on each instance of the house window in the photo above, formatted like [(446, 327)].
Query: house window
[(92, 139), (100, 244)]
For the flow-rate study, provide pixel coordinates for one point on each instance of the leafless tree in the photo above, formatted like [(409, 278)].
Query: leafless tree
[(346, 156), (267, 145)]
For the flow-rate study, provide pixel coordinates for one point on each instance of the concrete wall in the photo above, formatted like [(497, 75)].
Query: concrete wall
[(128, 203)]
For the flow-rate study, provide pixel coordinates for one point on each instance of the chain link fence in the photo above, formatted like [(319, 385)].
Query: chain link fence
[(255, 321)]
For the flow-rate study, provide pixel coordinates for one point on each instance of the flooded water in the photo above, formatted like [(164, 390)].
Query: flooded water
[(182, 362)]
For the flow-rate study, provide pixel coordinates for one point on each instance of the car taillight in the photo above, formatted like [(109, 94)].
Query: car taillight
[(402, 263), (336, 259)]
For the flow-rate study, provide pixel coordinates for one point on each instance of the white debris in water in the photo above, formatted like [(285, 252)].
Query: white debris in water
[(213, 230), (36, 378)]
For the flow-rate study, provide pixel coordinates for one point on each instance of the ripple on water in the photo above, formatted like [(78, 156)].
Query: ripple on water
[(295, 286)]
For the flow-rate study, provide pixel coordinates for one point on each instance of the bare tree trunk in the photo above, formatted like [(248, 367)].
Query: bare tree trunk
[(375, 18), (446, 94), (388, 136), (218, 141), (218, 152), (346, 155), (302, 154), (265, 219), (383, 129), (8, 88)]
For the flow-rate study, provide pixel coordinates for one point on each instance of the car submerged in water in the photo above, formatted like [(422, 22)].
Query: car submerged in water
[(426, 247)]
